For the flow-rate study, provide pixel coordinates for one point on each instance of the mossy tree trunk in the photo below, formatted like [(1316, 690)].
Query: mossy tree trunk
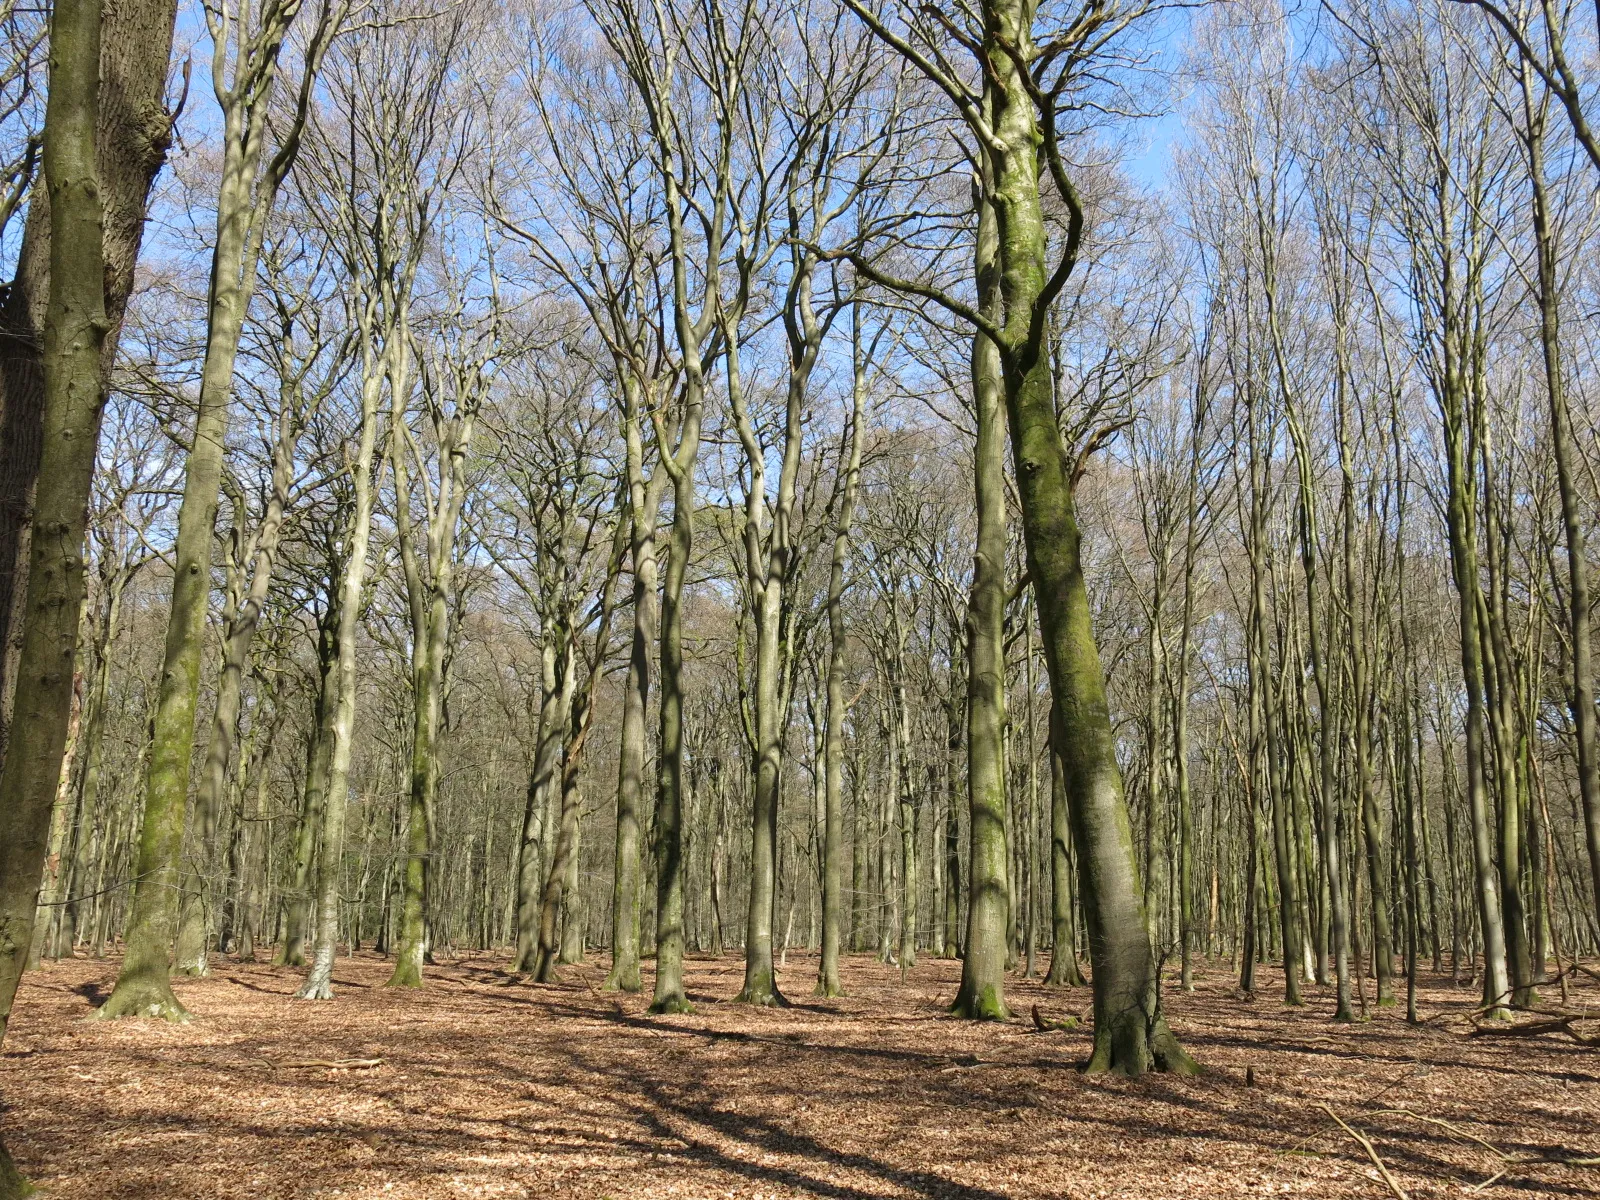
[(75, 329), (1014, 124), (133, 132), (249, 185)]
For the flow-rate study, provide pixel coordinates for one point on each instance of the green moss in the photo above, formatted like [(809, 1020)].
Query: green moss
[(981, 1004), (143, 997), (12, 1185)]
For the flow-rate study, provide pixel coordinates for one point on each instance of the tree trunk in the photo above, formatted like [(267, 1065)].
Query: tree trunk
[(75, 330), (982, 993), (833, 736), (291, 951), (644, 501), (1579, 606), (132, 132), (318, 983)]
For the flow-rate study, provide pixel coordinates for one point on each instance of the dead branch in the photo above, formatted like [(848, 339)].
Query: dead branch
[(1047, 1025), (1560, 1024), (332, 1064), (1394, 1186)]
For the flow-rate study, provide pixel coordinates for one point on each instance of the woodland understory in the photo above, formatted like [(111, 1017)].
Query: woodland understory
[(485, 1085), (799, 597)]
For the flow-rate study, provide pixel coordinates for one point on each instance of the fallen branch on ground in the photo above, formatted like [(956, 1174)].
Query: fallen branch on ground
[(1046, 1024), (332, 1064), (1366, 1145), (1557, 1024)]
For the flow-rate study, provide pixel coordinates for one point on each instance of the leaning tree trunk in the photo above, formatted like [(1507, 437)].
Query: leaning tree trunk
[(245, 196), (1130, 1034)]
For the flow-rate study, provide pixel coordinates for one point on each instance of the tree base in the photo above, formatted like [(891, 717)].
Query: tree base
[(828, 989), (12, 1185), (769, 997), (315, 989), (671, 1006), (143, 998), (406, 975), (623, 977), (1133, 1047), (983, 1004), (198, 969), (1064, 973)]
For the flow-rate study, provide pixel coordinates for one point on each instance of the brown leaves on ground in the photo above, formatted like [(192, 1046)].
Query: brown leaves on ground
[(492, 1087)]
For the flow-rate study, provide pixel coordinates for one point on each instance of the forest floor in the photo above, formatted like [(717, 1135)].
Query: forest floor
[(491, 1087)]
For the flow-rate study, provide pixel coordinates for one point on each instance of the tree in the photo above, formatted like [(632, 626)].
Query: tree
[(1013, 120), (75, 329), (249, 188)]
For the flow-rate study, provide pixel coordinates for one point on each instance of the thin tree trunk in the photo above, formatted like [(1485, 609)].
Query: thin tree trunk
[(982, 992), (833, 736)]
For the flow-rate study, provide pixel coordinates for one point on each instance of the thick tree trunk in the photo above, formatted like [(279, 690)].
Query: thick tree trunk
[(75, 330), (133, 132), (1130, 1033)]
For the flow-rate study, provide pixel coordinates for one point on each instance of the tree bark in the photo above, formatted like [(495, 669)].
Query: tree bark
[(133, 132), (833, 736), (983, 965), (75, 330)]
